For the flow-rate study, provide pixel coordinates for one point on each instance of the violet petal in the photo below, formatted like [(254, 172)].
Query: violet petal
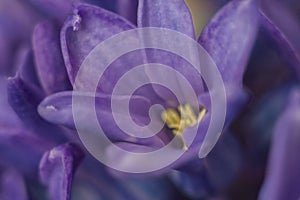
[(283, 28), (89, 26), (54, 8), (128, 9), (174, 15), (169, 14), (229, 38), (57, 168), (24, 99), (282, 179), (58, 109), (12, 186), (48, 58)]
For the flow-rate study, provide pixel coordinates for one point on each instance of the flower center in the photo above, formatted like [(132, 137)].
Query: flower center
[(179, 119)]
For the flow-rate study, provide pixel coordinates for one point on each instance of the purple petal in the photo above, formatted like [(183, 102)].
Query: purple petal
[(24, 100), (128, 9), (229, 38), (283, 28), (282, 179), (54, 8), (12, 186), (25, 66), (202, 178), (57, 168), (58, 108), (48, 58), (174, 15), (8, 117), (169, 14), (7, 46), (88, 27), (15, 146)]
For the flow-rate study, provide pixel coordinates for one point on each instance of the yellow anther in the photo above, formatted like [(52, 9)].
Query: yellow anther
[(172, 118), (178, 123)]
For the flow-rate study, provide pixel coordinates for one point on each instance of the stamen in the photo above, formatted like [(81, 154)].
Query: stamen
[(179, 119)]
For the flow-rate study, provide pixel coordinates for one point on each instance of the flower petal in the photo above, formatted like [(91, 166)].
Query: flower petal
[(174, 15), (213, 174), (8, 117), (57, 168), (283, 28), (48, 58), (229, 38), (24, 99), (282, 179), (169, 14), (12, 186), (128, 9), (88, 27), (55, 8), (59, 109)]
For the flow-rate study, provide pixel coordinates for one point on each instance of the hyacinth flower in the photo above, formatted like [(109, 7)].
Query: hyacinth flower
[(228, 38), (282, 175), (26, 139)]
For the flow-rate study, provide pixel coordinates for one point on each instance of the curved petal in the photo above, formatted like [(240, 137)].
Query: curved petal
[(282, 179), (89, 26), (213, 174), (12, 186), (8, 117), (229, 38), (57, 168), (174, 15), (283, 28), (24, 99), (15, 146), (58, 109), (128, 9), (48, 58), (169, 14)]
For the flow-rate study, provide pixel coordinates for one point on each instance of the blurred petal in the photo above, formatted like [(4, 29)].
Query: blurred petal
[(8, 117), (282, 179), (54, 8), (17, 20), (57, 168), (213, 174), (229, 38), (284, 28), (16, 145), (93, 182), (12, 186), (88, 27), (25, 66), (24, 99), (48, 58), (128, 9)]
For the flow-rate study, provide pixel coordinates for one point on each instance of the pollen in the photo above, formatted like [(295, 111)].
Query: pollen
[(181, 118)]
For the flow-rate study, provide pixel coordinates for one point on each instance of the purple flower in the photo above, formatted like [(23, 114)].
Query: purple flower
[(282, 176), (228, 38), (26, 138)]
